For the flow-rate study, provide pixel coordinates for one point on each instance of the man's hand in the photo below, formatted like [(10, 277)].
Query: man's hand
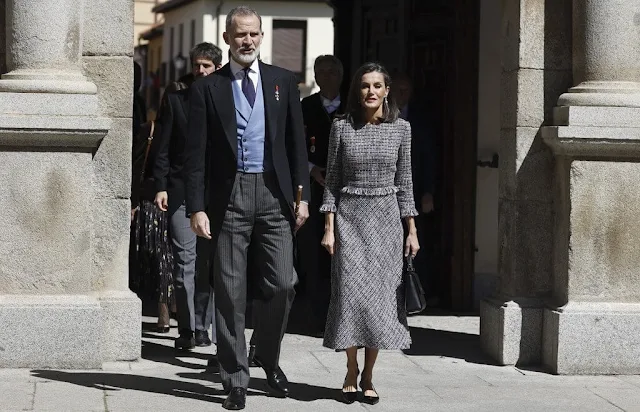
[(316, 173), (427, 203), (200, 225), (302, 216), (162, 201)]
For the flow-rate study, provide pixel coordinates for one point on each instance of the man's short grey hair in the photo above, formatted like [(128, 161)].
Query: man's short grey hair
[(330, 59), (241, 11)]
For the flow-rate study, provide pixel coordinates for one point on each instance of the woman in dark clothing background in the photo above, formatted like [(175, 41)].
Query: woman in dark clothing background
[(150, 253)]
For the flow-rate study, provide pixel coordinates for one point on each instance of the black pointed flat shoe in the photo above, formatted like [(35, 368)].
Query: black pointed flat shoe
[(371, 400), (347, 396)]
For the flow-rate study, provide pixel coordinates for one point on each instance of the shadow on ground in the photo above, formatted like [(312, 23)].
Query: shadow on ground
[(298, 391), (179, 388), (117, 381), (434, 342), (167, 354)]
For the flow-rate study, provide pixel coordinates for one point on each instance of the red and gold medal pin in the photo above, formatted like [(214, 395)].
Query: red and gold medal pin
[(312, 140), (277, 93)]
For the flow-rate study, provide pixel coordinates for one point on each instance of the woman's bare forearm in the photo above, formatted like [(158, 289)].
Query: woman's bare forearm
[(328, 222)]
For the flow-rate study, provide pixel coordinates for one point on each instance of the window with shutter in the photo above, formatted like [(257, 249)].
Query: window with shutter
[(290, 46)]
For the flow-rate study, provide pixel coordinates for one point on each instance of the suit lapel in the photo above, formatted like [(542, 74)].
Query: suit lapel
[(222, 96), (271, 92)]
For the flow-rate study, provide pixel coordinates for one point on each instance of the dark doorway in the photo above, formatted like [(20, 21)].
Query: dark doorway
[(436, 43)]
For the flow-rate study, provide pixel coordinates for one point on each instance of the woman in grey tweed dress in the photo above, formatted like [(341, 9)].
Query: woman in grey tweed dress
[(367, 194)]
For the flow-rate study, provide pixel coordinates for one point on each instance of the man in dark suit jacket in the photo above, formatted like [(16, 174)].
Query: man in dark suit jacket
[(249, 114), (194, 299), (318, 111)]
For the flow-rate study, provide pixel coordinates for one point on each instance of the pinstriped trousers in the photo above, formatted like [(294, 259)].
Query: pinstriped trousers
[(256, 215)]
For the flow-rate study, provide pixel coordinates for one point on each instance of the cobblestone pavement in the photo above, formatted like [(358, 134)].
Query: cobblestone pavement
[(444, 371)]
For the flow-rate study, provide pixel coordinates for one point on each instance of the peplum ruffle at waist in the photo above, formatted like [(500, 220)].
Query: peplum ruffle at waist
[(369, 191)]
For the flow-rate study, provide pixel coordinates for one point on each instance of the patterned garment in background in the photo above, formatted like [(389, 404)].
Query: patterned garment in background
[(152, 260), (369, 187)]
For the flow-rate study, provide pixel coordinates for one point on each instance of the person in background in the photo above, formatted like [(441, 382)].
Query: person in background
[(318, 111), (423, 158), (150, 254), (368, 193), (194, 298), (139, 116)]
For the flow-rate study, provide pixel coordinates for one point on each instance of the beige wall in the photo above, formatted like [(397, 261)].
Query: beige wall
[(143, 18)]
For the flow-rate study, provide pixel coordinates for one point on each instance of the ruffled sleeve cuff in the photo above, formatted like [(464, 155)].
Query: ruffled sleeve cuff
[(328, 208), (408, 211)]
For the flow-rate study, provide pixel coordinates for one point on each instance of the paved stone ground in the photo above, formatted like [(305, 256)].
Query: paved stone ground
[(445, 371)]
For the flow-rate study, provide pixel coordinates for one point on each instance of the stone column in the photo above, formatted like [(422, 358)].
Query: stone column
[(592, 320), (57, 308), (42, 60), (536, 69), (605, 54)]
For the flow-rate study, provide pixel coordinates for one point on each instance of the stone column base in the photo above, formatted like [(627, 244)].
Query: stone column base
[(511, 331), (54, 331), (121, 326), (68, 331), (592, 338)]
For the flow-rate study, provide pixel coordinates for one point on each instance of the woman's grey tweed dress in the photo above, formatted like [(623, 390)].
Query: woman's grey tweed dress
[(369, 187)]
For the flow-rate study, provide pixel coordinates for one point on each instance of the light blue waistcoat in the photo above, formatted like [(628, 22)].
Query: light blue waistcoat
[(253, 155)]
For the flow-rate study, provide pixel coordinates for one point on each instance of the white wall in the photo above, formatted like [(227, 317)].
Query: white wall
[(197, 10), (486, 260)]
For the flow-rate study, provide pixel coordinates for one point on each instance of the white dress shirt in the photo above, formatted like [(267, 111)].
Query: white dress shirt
[(238, 73)]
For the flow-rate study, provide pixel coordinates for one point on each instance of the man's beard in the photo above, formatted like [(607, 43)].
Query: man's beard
[(245, 58)]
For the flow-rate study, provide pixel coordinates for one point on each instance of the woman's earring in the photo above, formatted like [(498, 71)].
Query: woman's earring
[(385, 104)]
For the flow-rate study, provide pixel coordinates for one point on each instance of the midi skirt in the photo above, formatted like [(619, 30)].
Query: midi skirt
[(367, 306)]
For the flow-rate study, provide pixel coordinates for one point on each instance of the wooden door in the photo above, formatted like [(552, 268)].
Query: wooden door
[(442, 60), (436, 43)]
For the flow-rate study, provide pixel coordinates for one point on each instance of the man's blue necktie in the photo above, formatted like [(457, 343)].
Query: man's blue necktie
[(247, 87)]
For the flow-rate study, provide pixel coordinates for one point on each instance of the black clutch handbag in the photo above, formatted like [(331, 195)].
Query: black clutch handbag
[(415, 301)]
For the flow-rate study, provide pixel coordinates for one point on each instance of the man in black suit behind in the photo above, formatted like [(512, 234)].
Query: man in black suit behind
[(249, 114), (194, 299), (318, 111)]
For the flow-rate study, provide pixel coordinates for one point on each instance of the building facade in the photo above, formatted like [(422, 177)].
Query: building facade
[(295, 33), (144, 18), (544, 235)]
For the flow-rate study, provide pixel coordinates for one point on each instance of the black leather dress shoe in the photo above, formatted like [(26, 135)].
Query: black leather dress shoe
[(276, 380), (236, 400), (202, 338), (185, 341), (213, 362), (252, 356)]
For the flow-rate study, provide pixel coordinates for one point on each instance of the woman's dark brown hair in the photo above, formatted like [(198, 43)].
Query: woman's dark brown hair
[(355, 110), (171, 88)]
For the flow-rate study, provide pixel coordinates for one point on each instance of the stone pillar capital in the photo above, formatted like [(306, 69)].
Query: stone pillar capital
[(44, 39), (606, 54)]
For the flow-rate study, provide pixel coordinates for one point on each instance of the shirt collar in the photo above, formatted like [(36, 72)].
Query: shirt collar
[(236, 68), (326, 102)]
